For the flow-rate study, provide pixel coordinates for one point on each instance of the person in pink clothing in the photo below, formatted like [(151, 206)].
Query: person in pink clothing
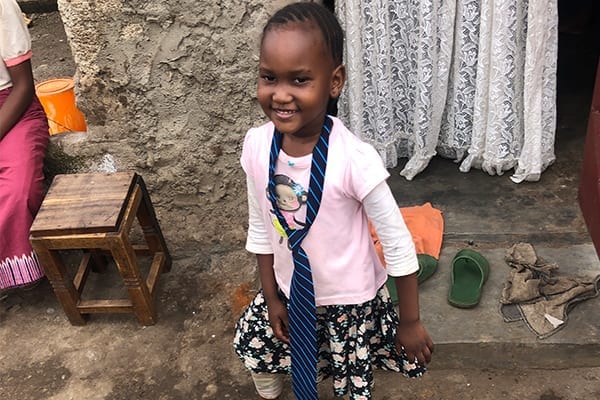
[(23, 140), (300, 76)]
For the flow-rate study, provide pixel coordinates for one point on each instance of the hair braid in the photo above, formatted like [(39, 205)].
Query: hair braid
[(324, 19)]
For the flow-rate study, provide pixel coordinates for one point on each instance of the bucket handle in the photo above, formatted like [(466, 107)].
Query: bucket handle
[(61, 125)]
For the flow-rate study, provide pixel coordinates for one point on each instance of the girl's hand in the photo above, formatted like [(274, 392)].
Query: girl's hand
[(415, 340), (278, 318), (278, 315)]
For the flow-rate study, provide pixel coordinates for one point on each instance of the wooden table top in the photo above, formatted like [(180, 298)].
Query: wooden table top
[(84, 203)]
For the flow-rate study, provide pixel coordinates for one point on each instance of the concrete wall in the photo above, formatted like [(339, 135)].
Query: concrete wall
[(168, 89)]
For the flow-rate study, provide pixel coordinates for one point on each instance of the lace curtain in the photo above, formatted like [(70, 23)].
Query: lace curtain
[(471, 80)]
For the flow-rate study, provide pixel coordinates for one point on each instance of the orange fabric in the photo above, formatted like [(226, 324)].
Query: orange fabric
[(426, 226)]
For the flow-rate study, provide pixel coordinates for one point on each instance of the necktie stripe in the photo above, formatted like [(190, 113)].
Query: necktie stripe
[(305, 267), (296, 235), (305, 276), (302, 372), (314, 203), (304, 292), (317, 186), (306, 282), (302, 306), (303, 328), (307, 361), (301, 336), (319, 152), (309, 218), (318, 171), (305, 285), (304, 298), (305, 383), (304, 264), (303, 270)]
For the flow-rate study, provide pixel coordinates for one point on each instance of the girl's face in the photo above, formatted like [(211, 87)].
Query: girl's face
[(296, 78)]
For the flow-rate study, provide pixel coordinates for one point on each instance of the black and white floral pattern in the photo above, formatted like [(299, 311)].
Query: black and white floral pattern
[(353, 339)]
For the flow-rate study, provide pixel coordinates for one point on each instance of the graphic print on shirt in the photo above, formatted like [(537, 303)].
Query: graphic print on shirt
[(291, 196)]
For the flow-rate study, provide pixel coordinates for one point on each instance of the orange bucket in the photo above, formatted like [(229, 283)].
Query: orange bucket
[(58, 99)]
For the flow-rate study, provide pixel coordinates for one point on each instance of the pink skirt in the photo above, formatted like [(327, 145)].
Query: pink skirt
[(22, 152)]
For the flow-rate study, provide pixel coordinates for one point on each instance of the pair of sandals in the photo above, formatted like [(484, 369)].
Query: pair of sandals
[(470, 270)]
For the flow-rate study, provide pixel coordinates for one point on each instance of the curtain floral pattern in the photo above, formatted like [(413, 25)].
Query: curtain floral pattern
[(471, 80)]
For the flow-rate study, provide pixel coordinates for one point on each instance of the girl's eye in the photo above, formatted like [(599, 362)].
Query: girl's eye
[(300, 81), (267, 78)]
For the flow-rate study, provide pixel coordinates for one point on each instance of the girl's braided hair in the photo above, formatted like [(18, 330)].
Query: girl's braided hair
[(330, 28), (324, 19)]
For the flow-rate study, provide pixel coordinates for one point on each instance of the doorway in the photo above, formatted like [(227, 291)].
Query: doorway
[(578, 52), (578, 86)]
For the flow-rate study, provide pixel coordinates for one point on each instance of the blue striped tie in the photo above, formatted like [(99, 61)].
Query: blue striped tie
[(302, 311)]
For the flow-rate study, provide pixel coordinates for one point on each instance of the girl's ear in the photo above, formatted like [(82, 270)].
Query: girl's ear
[(338, 78)]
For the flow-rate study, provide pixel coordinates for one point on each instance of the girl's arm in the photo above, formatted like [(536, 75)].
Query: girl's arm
[(401, 263), (258, 242), (278, 315), (411, 333), (19, 98)]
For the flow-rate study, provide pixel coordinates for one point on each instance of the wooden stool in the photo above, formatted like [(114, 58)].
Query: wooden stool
[(95, 212)]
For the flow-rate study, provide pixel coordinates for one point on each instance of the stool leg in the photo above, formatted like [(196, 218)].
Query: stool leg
[(150, 227), (63, 287), (141, 300)]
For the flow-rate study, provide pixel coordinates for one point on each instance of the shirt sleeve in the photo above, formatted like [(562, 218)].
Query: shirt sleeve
[(398, 246), (15, 42), (365, 172), (247, 153), (258, 240)]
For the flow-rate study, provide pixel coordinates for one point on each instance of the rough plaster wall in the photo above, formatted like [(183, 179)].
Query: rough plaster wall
[(168, 89)]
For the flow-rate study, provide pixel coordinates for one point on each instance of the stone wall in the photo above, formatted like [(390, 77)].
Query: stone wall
[(168, 89)]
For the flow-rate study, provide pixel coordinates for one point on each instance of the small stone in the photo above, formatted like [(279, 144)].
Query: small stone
[(210, 391), (92, 356)]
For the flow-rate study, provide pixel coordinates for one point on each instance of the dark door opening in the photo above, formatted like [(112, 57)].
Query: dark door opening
[(578, 100), (578, 51)]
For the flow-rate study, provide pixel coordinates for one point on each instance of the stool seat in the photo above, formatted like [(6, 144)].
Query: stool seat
[(95, 213)]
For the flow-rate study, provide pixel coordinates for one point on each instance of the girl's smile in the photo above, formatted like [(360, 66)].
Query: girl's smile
[(284, 114)]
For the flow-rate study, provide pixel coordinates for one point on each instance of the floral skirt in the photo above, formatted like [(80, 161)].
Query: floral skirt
[(353, 339)]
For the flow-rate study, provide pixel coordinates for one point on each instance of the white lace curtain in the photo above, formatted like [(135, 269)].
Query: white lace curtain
[(471, 80)]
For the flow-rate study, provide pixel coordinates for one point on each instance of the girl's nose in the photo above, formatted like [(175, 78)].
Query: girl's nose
[(281, 95)]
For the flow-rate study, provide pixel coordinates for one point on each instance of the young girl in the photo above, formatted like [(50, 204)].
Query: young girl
[(23, 140), (323, 310)]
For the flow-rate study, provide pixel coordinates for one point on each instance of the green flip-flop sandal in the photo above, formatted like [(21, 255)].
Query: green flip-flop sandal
[(470, 271), (427, 266)]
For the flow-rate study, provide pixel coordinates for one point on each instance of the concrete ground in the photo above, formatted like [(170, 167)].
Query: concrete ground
[(187, 354)]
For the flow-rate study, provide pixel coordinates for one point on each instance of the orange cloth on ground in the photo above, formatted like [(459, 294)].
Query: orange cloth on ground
[(426, 226)]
